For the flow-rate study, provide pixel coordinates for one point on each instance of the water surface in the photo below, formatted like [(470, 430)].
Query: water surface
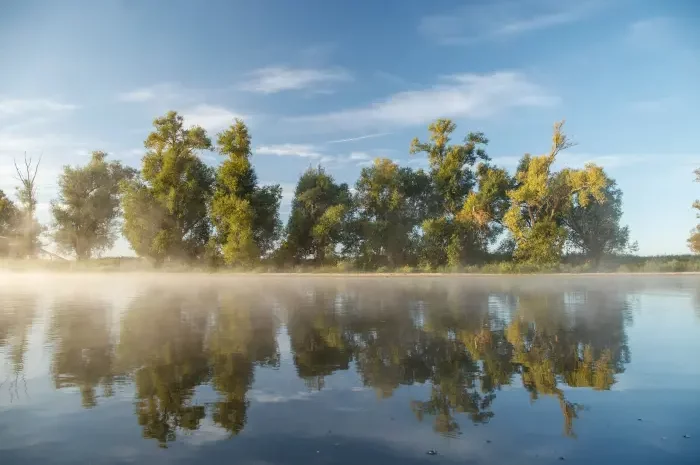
[(194, 369)]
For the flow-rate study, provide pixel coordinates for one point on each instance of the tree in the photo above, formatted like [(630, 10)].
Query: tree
[(318, 212), (694, 240), (541, 198), (29, 229), (391, 203), (9, 216), (246, 217), (87, 207), (594, 229), (448, 239), (165, 209)]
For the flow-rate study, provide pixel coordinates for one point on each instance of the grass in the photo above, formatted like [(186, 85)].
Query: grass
[(622, 264)]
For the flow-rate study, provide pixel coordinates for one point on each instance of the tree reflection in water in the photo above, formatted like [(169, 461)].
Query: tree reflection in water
[(464, 342)]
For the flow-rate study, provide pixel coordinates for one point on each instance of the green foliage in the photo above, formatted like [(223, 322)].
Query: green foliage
[(88, 205), (165, 209), (451, 236), (541, 198), (318, 213), (391, 203), (694, 239), (245, 216), (451, 165), (9, 217), (595, 229)]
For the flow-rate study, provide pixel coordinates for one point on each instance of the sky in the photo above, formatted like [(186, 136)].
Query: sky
[(341, 83)]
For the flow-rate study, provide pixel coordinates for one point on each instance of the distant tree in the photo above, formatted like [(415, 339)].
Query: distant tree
[(246, 217), (541, 197), (391, 203), (9, 216), (87, 207), (29, 229), (694, 240), (594, 229), (166, 208), (318, 213), (447, 240)]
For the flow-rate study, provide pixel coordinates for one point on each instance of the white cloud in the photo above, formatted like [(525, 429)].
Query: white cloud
[(608, 161), (658, 34), (290, 150), (272, 80), (353, 139), (210, 117), (156, 92), (14, 106), (502, 19), (359, 156), (461, 95)]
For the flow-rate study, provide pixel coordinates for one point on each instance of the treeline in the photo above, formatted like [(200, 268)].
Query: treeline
[(461, 211)]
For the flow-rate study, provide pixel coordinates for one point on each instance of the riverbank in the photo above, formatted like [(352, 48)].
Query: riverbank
[(618, 265)]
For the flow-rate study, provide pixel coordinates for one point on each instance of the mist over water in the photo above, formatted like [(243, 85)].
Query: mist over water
[(180, 368)]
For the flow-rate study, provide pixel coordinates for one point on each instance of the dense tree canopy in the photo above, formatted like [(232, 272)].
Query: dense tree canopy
[(246, 217), (318, 213), (694, 240), (166, 208), (87, 206), (542, 197), (391, 202), (594, 229), (8, 223)]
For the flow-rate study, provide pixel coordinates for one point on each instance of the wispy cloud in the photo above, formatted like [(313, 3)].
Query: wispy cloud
[(157, 92), (461, 95), (657, 33), (276, 79), (502, 19), (654, 105), (353, 139), (359, 156), (609, 161), (15, 106), (289, 150), (210, 117)]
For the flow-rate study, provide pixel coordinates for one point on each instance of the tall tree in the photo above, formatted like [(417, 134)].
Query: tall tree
[(541, 197), (87, 207), (165, 209), (28, 243), (391, 204), (318, 211), (246, 217), (453, 178), (694, 240), (594, 229)]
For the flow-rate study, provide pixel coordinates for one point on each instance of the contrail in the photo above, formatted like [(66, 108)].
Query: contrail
[(352, 139)]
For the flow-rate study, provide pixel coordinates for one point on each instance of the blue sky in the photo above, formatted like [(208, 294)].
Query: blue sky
[(339, 83)]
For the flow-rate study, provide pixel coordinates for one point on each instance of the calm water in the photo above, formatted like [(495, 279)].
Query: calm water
[(300, 370)]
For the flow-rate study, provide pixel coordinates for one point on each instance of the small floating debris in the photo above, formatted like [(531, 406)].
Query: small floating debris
[(432, 452), (488, 441), (687, 436), (639, 419), (562, 458)]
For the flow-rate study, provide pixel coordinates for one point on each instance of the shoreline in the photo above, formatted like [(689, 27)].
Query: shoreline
[(313, 274)]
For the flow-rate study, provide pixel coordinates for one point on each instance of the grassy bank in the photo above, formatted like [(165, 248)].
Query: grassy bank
[(626, 264)]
